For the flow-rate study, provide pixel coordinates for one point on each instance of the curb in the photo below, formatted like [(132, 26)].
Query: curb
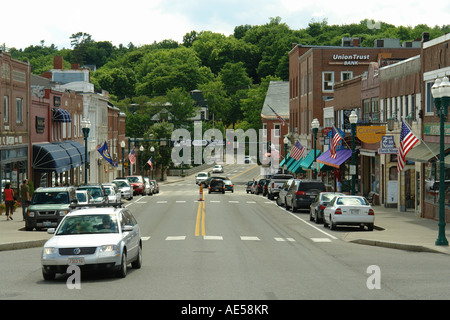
[(22, 245), (393, 245)]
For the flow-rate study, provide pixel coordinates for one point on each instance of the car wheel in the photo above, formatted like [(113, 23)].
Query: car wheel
[(48, 275), (332, 225), (278, 201), (122, 272), (325, 223), (138, 262), (370, 227)]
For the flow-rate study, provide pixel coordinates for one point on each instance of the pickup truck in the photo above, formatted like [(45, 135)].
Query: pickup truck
[(276, 183)]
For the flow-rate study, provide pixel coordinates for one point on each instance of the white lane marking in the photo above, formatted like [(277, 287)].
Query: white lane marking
[(212, 238), (180, 201), (215, 201), (321, 239), (249, 238), (161, 201), (251, 202), (145, 238), (233, 201), (175, 238), (284, 239)]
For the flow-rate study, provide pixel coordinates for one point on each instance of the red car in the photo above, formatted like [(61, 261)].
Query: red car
[(137, 182)]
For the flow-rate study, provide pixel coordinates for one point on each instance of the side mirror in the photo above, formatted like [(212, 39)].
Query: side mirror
[(51, 230), (127, 228)]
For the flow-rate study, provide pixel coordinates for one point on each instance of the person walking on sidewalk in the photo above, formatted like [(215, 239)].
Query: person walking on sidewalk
[(9, 201), (25, 197)]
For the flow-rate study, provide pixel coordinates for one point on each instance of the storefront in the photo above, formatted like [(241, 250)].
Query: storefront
[(13, 166)]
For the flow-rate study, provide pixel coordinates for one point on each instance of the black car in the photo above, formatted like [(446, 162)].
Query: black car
[(249, 186), (260, 186), (302, 193), (216, 185), (319, 204)]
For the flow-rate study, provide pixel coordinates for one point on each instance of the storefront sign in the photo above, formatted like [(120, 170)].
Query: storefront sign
[(434, 129), (370, 134), (40, 124), (387, 145)]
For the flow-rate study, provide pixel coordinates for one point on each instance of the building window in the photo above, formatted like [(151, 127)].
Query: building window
[(276, 128), (346, 75), (5, 109), (366, 109), (429, 103), (327, 81), (19, 110), (375, 110), (264, 129)]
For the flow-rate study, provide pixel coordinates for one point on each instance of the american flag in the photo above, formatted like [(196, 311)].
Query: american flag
[(335, 139), (278, 116), (297, 151), (150, 163), (132, 157), (407, 142)]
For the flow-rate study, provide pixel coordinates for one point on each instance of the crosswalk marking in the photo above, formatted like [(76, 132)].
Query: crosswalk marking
[(284, 239), (249, 238), (161, 201), (212, 237), (243, 238), (321, 239), (175, 238), (145, 238)]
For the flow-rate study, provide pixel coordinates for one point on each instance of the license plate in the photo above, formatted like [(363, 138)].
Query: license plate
[(76, 261), (47, 224), (354, 211)]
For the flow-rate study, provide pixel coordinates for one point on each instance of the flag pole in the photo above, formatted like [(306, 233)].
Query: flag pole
[(426, 145)]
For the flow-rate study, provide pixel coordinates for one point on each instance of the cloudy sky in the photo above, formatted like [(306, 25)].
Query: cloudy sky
[(27, 22)]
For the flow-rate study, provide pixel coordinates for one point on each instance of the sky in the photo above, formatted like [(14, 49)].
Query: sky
[(28, 22)]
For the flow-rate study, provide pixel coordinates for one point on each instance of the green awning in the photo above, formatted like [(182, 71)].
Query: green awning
[(285, 160), (291, 163), (307, 162), (297, 168)]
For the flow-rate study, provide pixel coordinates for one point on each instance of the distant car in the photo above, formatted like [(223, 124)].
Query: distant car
[(97, 192), (281, 199), (349, 210), (217, 168), (276, 182), (149, 188), (253, 189), (302, 193), (84, 197), (112, 192), (260, 186), (137, 182), (206, 182), (156, 185), (249, 186), (216, 185), (93, 239), (318, 206), (247, 159), (126, 190), (201, 176), (229, 186)]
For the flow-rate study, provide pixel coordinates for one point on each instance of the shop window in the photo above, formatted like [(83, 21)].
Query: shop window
[(432, 184)]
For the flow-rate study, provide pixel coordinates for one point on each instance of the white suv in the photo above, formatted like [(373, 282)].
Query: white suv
[(202, 176)]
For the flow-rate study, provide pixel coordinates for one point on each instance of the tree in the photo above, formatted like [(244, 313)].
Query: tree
[(162, 154), (181, 106)]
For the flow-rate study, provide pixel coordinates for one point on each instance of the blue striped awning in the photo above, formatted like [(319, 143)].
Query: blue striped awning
[(57, 157), (61, 115)]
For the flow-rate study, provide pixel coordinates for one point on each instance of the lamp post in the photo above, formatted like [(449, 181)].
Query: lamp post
[(122, 145), (152, 150), (315, 128), (353, 120), (86, 127), (441, 95), (141, 149), (286, 142)]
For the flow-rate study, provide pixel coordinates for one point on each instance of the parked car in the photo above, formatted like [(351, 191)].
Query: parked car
[(216, 185), (281, 199), (249, 186), (276, 182), (126, 190), (201, 176), (247, 159), (253, 189), (137, 182), (217, 168), (260, 186), (112, 192), (349, 210), (229, 185), (156, 185), (84, 197), (149, 190), (319, 204), (49, 206), (93, 239), (302, 193), (97, 192)]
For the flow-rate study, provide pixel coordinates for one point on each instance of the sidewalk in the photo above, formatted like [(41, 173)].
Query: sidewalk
[(393, 229)]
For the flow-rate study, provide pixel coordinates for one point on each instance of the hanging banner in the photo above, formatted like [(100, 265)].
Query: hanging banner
[(370, 134)]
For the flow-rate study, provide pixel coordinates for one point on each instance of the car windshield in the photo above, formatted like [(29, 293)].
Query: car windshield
[(81, 196), (121, 184), (108, 191), (134, 179), (88, 224), (352, 201), (61, 197), (228, 182), (327, 197), (202, 175), (95, 192)]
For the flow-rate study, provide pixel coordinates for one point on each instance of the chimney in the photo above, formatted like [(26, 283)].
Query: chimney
[(425, 36), (58, 62), (75, 66)]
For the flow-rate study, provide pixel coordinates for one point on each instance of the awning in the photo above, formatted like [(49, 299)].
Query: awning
[(341, 156), (422, 152), (57, 157), (285, 160), (309, 159), (291, 163), (297, 168), (61, 115)]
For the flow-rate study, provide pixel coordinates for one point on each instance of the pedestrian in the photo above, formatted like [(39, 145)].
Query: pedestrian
[(25, 197), (9, 201)]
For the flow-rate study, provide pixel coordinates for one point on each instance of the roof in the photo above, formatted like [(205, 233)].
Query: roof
[(277, 97)]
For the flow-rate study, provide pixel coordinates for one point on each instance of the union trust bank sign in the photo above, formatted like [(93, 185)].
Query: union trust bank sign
[(350, 59)]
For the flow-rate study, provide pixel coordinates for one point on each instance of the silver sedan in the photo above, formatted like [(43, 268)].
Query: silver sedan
[(95, 239)]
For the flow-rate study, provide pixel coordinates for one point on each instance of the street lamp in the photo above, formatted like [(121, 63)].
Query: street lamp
[(122, 145), (85, 126), (353, 120), (286, 142), (441, 94), (315, 128), (152, 150), (141, 149)]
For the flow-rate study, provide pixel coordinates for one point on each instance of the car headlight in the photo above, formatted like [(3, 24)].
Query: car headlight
[(31, 214), (48, 251), (62, 213), (110, 249)]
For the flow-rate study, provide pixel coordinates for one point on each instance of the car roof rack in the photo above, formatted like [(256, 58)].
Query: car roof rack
[(96, 205)]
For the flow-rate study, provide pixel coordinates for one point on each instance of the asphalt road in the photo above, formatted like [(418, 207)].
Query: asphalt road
[(237, 246)]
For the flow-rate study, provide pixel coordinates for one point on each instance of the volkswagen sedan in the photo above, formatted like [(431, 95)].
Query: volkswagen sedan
[(95, 239), (349, 210)]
